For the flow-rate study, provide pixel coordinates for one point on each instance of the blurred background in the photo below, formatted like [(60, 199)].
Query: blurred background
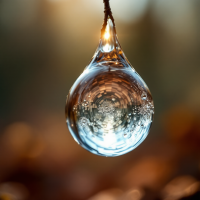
[(44, 47)]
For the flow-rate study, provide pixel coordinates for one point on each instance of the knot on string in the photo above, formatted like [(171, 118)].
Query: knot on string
[(108, 13)]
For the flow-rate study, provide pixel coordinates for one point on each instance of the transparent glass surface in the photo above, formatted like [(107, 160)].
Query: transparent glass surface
[(109, 109)]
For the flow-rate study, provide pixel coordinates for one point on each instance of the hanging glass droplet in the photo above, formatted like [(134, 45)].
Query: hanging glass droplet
[(109, 109)]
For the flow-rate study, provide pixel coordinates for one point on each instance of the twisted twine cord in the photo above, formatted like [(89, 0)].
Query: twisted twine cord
[(108, 13)]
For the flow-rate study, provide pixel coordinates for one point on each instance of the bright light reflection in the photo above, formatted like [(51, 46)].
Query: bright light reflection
[(107, 38), (107, 35), (110, 137), (107, 48)]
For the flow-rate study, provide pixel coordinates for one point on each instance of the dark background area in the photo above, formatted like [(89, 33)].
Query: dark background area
[(44, 47)]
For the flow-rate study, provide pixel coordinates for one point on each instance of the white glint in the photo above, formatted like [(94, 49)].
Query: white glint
[(107, 35), (107, 48), (110, 139), (107, 32)]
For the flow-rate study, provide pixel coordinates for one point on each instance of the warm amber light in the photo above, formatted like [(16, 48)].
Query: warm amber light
[(107, 35)]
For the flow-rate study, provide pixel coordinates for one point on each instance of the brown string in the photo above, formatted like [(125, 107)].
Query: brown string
[(108, 13)]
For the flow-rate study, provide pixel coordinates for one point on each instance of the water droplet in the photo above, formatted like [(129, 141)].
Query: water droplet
[(103, 117), (106, 107), (125, 135), (83, 121), (144, 96)]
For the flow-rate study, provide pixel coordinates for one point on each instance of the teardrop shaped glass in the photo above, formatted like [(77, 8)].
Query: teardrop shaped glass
[(109, 109)]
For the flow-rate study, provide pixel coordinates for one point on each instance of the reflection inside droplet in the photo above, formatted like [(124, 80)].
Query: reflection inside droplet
[(106, 35), (108, 42)]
